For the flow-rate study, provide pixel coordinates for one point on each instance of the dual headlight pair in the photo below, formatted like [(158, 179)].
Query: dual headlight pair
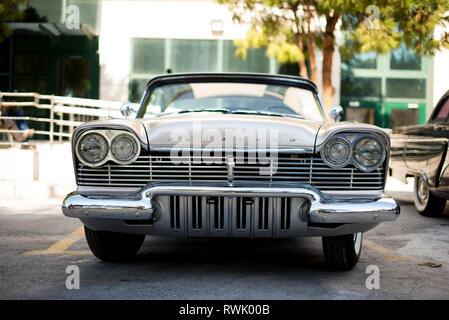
[(366, 152), (94, 148)]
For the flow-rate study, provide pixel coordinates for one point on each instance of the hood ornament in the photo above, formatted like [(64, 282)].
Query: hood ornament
[(230, 163)]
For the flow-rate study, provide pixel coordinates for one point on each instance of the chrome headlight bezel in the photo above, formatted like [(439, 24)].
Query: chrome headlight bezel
[(382, 158), (78, 145), (328, 145), (109, 136), (353, 138), (136, 150)]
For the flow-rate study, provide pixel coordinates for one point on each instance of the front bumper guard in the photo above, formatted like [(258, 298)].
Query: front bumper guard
[(321, 209)]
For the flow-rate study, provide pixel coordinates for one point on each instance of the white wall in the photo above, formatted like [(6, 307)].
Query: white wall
[(189, 19), (123, 20), (440, 74), (439, 71)]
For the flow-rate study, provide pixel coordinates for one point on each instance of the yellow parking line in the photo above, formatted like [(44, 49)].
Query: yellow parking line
[(389, 255), (61, 246)]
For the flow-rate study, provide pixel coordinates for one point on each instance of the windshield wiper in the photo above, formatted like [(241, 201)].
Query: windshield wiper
[(266, 113), (222, 110)]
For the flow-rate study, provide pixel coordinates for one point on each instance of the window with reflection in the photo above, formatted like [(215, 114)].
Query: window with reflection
[(406, 88), (404, 59), (403, 117), (443, 113), (148, 56), (137, 89), (233, 98), (256, 60), (360, 87), (194, 55), (363, 60)]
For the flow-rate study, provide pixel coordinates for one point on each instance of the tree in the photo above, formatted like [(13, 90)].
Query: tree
[(292, 29), (9, 11)]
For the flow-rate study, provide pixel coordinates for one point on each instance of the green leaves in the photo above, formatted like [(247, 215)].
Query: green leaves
[(9, 11), (277, 25)]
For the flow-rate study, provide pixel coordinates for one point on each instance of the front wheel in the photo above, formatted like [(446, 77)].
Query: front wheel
[(113, 246), (425, 202), (343, 252)]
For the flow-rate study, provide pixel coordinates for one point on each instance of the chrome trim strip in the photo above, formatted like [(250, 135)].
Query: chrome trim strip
[(323, 209), (169, 148), (78, 206)]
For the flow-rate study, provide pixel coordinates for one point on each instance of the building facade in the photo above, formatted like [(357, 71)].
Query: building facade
[(136, 40), (140, 39)]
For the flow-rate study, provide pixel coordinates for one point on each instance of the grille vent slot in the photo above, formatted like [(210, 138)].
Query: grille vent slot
[(174, 212), (285, 214), (216, 206), (197, 213), (263, 214), (243, 210)]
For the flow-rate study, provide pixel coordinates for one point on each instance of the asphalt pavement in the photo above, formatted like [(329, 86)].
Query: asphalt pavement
[(38, 244)]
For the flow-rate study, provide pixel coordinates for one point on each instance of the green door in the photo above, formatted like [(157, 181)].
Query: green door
[(386, 90)]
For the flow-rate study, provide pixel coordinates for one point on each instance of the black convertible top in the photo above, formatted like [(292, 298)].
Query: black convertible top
[(262, 78)]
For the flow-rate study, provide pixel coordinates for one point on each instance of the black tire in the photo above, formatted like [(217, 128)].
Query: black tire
[(113, 246), (342, 252), (427, 203)]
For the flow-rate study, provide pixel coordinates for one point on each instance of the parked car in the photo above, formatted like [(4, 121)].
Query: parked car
[(229, 155), (420, 151)]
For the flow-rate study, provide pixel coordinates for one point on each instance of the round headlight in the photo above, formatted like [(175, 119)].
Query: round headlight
[(369, 153), (92, 148), (124, 148), (336, 152)]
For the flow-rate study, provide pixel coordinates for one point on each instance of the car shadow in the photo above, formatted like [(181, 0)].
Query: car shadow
[(232, 254)]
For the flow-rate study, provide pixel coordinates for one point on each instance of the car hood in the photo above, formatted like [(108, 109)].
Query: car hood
[(212, 129)]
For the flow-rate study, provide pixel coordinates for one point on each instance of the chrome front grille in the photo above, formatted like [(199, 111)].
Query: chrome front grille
[(231, 216), (158, 166)]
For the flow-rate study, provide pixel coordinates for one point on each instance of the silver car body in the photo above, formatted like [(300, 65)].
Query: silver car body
[(304, 197)]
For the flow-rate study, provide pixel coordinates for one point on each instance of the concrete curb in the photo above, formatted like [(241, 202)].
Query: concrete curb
[(35, 190)]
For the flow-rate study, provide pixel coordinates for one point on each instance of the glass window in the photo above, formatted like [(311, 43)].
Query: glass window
[(30, 64), (404, 59), (76, 74), (137, 89), (194, 55), (234, 97), (442, 113), (88, 11), (54, 11), (406, 88), (361, 115), (360, 87), (364, 60), (256, 60), (4, 56), (403, 117), (148, 56), (30, 83), (51, 9), (4, 82)]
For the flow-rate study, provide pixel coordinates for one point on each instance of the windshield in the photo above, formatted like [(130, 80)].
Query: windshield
[(234, 98)]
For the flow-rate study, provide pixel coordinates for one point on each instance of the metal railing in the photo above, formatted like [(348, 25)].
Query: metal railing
[(63, 115)]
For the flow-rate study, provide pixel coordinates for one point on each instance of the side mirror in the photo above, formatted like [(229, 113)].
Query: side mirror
[(336, 113), (127, 109)]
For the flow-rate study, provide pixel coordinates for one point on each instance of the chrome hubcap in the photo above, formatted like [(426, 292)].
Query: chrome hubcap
[(357, 242), (422, 191)]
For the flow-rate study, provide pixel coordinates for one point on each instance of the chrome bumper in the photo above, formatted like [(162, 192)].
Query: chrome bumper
[(319, 209)]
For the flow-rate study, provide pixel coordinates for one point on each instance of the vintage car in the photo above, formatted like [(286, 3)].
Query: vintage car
[(229, 155), (420, 151)]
